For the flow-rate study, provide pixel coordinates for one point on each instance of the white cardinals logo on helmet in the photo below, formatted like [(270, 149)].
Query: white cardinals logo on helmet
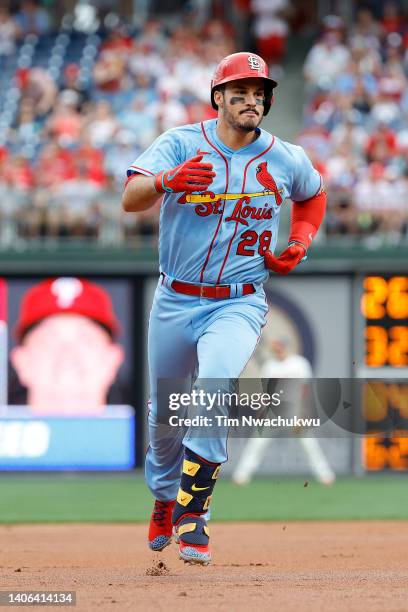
[(254, 62)]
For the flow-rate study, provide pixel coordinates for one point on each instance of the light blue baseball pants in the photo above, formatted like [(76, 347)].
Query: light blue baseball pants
[(193, 337)]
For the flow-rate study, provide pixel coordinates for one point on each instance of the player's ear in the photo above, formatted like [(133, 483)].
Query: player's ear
[(219, 97)]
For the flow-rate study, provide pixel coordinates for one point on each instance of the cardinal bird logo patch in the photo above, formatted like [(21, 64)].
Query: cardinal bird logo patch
[(268, 182)]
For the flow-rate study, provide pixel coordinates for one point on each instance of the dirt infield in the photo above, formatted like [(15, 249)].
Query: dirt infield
[(265, 566)]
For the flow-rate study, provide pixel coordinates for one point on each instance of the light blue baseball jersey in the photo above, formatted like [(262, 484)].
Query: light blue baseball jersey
[(220, 236)]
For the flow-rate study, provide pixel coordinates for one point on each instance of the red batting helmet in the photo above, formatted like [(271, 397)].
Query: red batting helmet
[(243, 66), (66, 296)]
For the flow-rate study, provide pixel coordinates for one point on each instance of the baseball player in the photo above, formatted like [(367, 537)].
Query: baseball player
[(224, 182), (285, 365)]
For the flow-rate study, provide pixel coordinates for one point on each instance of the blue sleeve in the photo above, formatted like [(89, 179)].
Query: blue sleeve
[(307, 181), (163, 154)]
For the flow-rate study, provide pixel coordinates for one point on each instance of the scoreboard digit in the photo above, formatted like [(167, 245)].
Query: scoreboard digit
[(384, 306)]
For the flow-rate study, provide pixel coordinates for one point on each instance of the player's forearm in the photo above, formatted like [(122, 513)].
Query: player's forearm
[(139, 194), (306, 219)]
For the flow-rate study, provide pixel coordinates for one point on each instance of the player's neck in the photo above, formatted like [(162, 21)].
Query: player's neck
[(233, 138)]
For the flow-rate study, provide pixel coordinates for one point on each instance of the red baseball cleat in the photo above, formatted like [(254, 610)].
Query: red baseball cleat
[(192, 536), (160, 527)]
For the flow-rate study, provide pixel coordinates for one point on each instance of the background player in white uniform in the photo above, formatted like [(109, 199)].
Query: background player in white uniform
[(285, 365), (224, 182)]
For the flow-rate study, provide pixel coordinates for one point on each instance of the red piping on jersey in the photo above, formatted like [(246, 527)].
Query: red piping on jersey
[(227, 253), (226, 191), (142, 169), (236, 222)]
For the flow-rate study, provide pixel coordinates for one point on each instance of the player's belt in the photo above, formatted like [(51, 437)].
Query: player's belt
[(209, 291)]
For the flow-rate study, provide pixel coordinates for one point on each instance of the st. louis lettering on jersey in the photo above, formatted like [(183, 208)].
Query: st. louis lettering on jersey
[(220, 236)]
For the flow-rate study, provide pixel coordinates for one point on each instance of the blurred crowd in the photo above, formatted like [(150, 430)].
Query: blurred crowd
[(69, 129), (82, 94), (78, 105), (356, 122)]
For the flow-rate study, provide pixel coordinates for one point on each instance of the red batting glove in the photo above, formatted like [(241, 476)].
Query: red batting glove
[(287, 260), (191, 175)]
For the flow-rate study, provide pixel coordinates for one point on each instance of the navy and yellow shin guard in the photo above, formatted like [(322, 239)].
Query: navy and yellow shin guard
[(193, 500), (196, 486)]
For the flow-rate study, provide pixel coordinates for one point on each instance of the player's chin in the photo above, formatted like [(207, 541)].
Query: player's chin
[(249, 123)]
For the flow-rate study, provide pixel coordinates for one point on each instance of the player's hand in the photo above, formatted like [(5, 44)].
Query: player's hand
[(191, 175), (287, 260)]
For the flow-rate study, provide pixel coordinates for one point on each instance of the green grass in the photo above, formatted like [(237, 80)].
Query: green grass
[(100, 498)]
